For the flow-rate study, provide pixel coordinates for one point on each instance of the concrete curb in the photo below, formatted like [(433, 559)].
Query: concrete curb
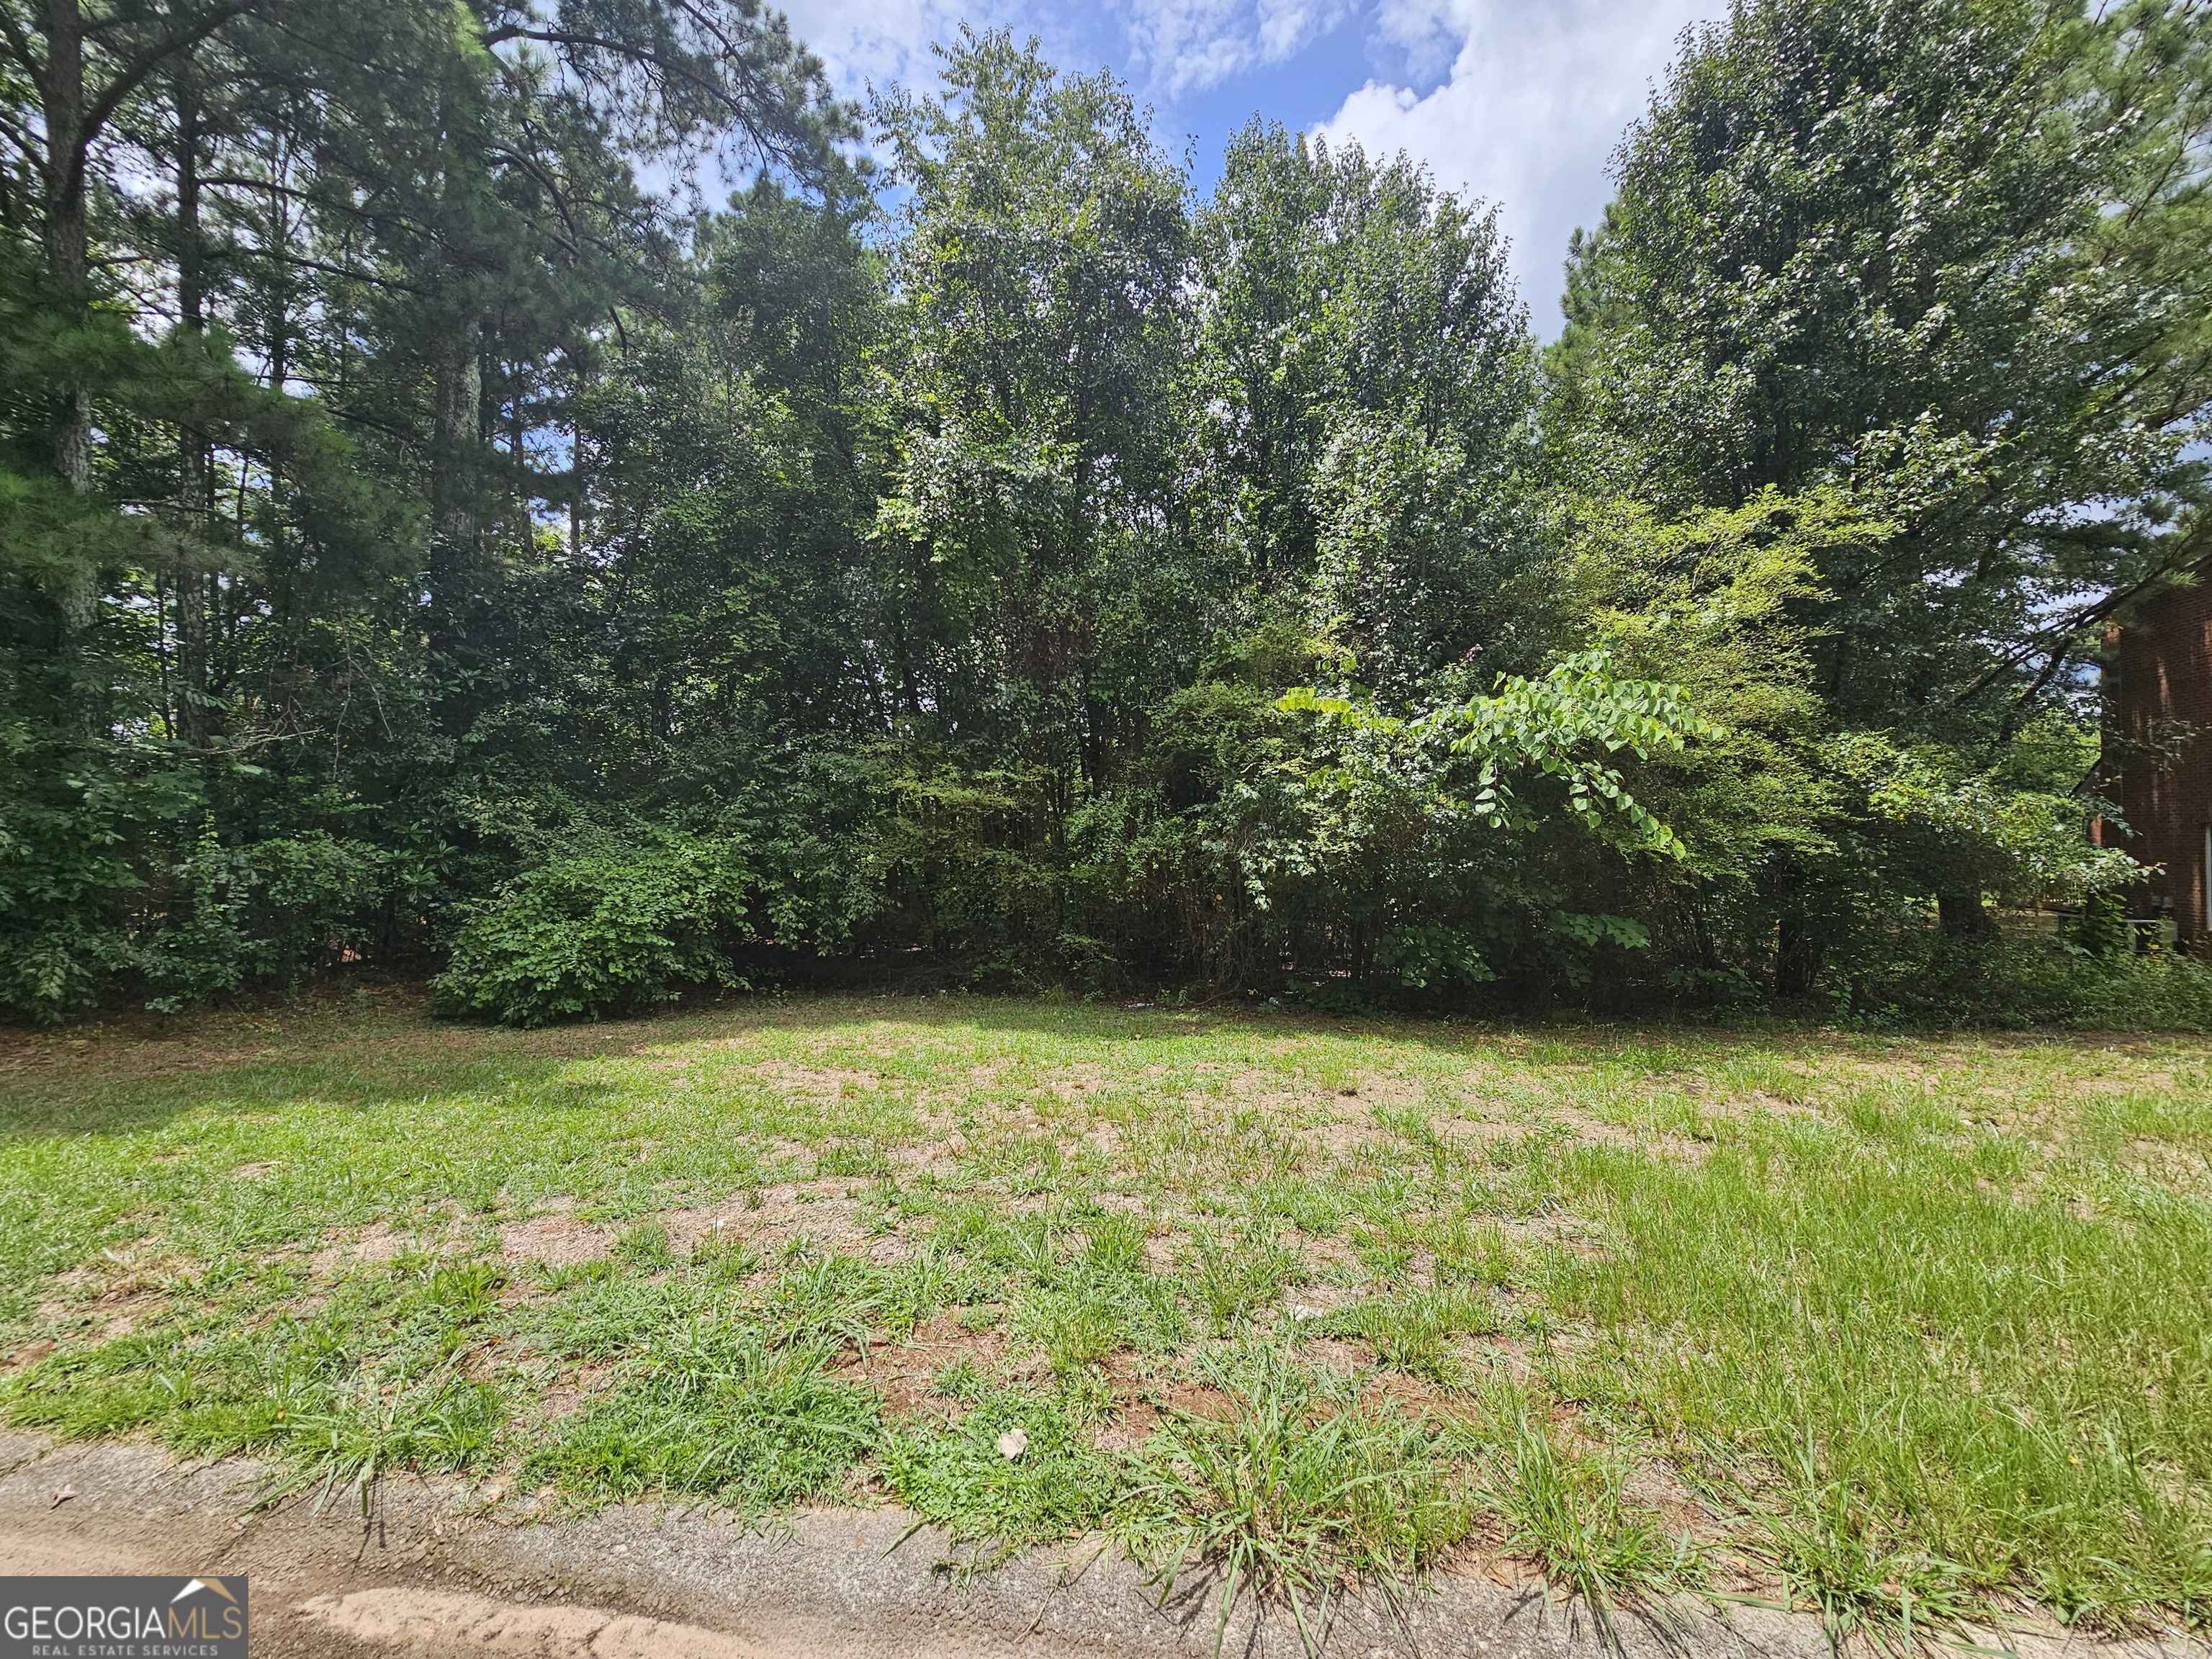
[(434, 1572)]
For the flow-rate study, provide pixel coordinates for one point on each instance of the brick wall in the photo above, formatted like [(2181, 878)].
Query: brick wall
[(2158, 686)]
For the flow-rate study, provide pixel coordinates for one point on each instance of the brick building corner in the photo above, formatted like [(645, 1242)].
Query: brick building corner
[(2158, 701)]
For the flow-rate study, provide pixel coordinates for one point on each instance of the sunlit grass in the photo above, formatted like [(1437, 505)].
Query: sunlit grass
[(1906, 1327), (1298, 1486)]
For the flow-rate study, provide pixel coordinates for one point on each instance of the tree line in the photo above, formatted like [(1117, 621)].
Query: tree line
[(435, 537)]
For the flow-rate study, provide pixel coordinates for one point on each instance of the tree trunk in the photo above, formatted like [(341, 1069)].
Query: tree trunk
[(462, 601), (1963, 915), (1796, 957), (195, 471), (576, 491), (68, 259), (454, 435), (192, 251)]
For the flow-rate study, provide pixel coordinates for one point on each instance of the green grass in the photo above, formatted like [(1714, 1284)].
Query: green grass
[(1416, 1332), (2002, 1362), (1569, 1511), (970, 1472), (710, 1409), (1298, 1486), (1900, 1331)]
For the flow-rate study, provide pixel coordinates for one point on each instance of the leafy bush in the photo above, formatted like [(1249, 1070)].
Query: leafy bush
[(58, 962), (79, 917), (606, 929), (65, 869)]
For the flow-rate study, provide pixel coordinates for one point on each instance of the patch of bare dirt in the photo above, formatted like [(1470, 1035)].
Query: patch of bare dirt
[(1598, 1131), (1076, 1082), (2171, 1164), (1135, 1415), (108, 1318), (382, 1242), (771, 1218), (1345, 1134), (557, 1238), (133, 1270), (561, 1400), (902, 1372), (825, 1082), (1189, 1398), (111, 1294), (1657, 1486), (1312, 1301), (1327, 1257), (436, 1624), (1337, 1352)]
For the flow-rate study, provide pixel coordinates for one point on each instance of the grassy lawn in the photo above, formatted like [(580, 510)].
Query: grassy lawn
[(1908, 1329)]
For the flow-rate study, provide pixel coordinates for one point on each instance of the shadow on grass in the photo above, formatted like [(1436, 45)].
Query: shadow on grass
[(135, 1076)]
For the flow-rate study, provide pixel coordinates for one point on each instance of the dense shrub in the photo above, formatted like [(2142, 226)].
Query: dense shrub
[(608, 929), (77, 917)]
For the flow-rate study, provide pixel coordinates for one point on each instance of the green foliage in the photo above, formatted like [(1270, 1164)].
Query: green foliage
[(1877, 262), (2025, 843), (1549, 728), (611, 928), (1358, 394), (2027, 983), (1013, 569)]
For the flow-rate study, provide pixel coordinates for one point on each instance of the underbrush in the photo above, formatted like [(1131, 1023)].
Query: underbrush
[(2019, 985)]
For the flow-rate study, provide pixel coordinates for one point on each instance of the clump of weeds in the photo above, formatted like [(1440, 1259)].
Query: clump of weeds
[(1298, 1489)]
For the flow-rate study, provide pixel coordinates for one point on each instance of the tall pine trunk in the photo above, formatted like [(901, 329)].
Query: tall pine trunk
[(62, 185), (64, 241), (460, 583), (195, 469)]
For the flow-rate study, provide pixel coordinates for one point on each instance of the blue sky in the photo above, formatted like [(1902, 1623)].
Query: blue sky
[(1518, 102)]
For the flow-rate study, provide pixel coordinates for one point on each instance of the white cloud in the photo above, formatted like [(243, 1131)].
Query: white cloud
[(1173, 47), (1189, 46), (1535, 97), (880, 42)]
